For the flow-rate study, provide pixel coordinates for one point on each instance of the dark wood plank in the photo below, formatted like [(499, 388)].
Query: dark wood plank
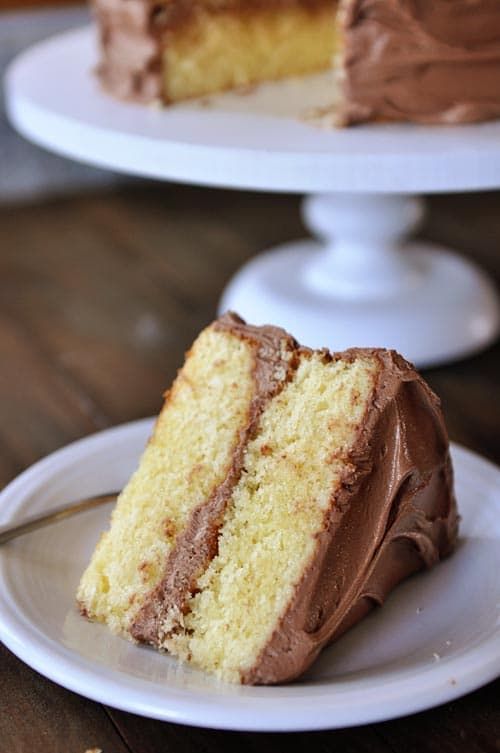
[(40, 406), (150, 736), (31, 4), (470, 724), (36, 715), (469, 223)]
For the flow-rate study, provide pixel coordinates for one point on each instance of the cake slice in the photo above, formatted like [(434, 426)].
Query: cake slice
[(283, 494)]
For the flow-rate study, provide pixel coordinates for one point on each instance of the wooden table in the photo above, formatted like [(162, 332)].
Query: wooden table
[(100, 296)]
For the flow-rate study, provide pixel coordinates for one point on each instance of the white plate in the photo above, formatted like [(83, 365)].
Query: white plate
[(437, 637)]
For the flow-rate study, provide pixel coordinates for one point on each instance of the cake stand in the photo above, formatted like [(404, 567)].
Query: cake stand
[(362, 282)]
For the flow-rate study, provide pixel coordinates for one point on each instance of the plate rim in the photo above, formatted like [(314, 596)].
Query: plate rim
[(258, 712)]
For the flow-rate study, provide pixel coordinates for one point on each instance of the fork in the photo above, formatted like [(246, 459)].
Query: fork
[(12, 531)]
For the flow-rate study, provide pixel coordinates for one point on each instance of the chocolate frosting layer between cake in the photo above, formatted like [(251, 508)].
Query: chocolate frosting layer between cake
[(162, 612), (427, 61), (395, 514)]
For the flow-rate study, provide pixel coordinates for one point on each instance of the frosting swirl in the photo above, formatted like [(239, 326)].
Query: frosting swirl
[(425, 61)]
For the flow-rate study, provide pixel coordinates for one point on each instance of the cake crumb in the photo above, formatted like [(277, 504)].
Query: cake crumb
[(169, 528), (453, 681), (245, 89), (325, 118), (448, 643), (145, 570), (436, 657)]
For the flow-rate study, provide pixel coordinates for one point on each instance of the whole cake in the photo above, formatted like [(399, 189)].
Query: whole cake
[(283, 494), (429, 61)]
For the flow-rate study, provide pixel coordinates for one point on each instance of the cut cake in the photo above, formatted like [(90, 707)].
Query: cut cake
[(428, 61)]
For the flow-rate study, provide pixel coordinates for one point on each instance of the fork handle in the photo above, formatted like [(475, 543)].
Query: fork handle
[(59, 513)]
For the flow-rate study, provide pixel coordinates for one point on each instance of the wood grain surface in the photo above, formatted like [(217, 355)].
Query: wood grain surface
[(100, 295), (32, 4)]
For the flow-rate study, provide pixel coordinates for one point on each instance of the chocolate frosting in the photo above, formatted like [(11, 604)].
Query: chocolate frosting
[(426, 61), (395, 512), (161, 613), (394, 515)]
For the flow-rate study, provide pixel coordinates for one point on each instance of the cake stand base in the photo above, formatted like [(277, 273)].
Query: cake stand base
[(366, 286)]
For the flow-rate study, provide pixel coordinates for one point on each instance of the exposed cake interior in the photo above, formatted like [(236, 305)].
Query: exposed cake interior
[(292, 468), (187, 457), (261, 42)]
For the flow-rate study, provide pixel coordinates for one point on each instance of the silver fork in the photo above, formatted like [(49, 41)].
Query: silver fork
[(34, 522)]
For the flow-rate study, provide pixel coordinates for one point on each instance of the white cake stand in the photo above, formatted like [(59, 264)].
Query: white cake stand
[(362, 284)]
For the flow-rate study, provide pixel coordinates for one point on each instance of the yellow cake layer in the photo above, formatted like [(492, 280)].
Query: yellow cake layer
[(221, 50), (292, 468), (186, 458)]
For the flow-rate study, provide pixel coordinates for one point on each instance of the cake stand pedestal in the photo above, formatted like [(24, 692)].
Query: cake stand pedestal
[(361, 283)]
